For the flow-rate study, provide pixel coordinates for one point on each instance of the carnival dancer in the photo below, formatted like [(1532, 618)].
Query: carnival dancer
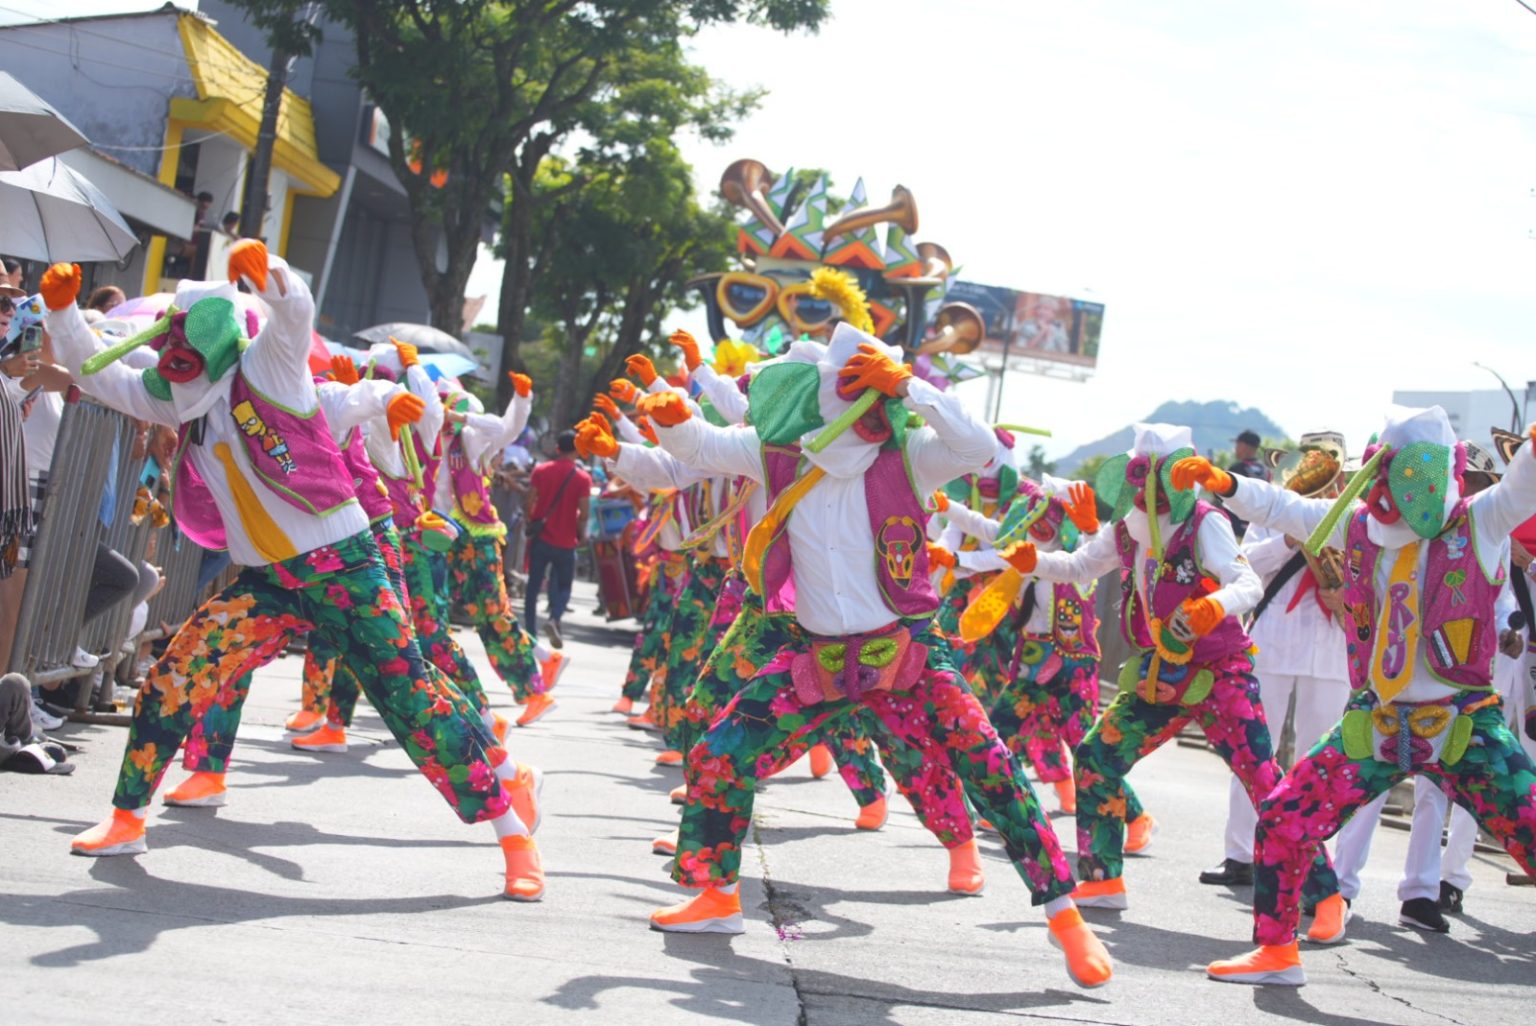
[(529, 668), (1420, 565), (844, 531), (259, 474), (1295, 628), (1185, 583), (1050, 694), (206, 752)]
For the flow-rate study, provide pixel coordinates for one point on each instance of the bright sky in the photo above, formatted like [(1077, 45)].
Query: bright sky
[(1298, 205)]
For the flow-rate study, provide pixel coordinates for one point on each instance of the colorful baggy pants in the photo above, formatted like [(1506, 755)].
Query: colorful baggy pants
[(766, 725), (340, 593), (1132, 728), (749, 643), (480, 588), (689, 641), (1047, 708), (650, 651), (1494, 780)]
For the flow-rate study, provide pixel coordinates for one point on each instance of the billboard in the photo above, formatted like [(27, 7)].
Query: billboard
[(1034, 324)]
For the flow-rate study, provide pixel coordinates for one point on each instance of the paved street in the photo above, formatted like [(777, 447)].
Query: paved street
[(340, 889)]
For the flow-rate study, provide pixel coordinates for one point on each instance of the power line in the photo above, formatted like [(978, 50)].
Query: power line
[(1527, 6)]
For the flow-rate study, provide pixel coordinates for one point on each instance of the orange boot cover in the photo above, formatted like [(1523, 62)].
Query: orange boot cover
[(873, 815), (200, 790), (678, 795), (821, 761), (965, 876), (1269, 964), (1102, 894), (1138, 833), (122, 834), (1066, 795), (666, 844), (1329, 921), (525, 873), (710, 911), (1087, 962), (524, 791)]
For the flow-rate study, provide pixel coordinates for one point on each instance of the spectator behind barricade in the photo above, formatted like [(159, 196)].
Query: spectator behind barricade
[(11, 274), (1246, 447), (559, 494), (23, 748), (105, 299), (15, 500)]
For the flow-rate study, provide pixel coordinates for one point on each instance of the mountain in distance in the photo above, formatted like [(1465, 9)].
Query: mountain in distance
[(1213, 423)]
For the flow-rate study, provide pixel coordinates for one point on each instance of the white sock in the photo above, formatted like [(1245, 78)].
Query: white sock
[(489, 719), (140, 813), (1058, 905), (541, 651), (508, 825), (727, 888)]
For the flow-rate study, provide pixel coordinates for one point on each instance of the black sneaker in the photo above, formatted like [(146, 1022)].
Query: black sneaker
[(1231, 872), (552, 632), (1450, 898), (1423, 914)]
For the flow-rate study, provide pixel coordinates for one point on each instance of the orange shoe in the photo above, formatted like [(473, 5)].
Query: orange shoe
[(821, 761), (678, 795), (873, 815), (199, 791), (499, 727), (525, 791), (537, 706), (303, 721), (329, 738), (1270, 964), (985, 824), (123, 834), (666, 844), (709, 911), (1329, 921), (551, 669), (641, 722), (623, 705), (1138, 833), (965, 875), (1066, 796), (1087, 962), (670, 757), (525, 873), (1102, 894)]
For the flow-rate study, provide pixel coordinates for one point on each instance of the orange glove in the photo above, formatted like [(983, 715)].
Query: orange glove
[(1202, 615), (603, 404), (1197, 470), (403, 408), (647, 429), (60, 286), (248, 259), (522, 384), (1022, 556), (409, 356), (1082, 508), (665, 408), (640, 366), (623, 390), (941, 501), (431, 520), (690, 347), (594, 437), (938, 555), (870, 368), (344, 370)]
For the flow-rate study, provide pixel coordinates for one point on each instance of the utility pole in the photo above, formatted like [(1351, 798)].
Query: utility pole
[(253, 208)]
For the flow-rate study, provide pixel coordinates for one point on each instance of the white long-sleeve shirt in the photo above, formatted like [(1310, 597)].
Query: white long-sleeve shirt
[(1303, 641), (483, 435), (722, 393), (831, 542), (1215, 548), (656, 469), (1493, 513), (276, 365), (384, 451)]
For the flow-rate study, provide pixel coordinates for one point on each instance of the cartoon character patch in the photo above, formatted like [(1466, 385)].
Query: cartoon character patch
[(272, 443), (897, 544)]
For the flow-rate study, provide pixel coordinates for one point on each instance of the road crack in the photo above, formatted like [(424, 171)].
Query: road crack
[(1376, 988), (787, 916)]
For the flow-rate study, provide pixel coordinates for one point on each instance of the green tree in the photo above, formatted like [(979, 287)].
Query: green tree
[(1036, 465), (468, 86), (1089, 468)]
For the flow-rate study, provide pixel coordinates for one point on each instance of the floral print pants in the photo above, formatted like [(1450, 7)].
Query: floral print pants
[(1494, 780), (650, 651), (766, 725), (340, 593), (751, 642), (480, 588), (1132, 728), (689, 639)]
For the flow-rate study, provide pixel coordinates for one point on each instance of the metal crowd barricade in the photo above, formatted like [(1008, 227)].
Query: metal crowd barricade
[(181, 563), (48, 629)]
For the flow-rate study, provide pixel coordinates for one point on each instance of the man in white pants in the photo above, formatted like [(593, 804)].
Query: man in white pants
[(1301, 648)]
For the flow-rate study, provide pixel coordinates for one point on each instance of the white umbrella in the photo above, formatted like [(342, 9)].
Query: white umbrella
[(51, 212), (30, 129)]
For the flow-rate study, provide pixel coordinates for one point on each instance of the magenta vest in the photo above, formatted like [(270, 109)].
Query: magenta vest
[(471, 495), (292, 453), (1074, 620), (1181, 574), (404, 497), (1456, 602), (371, 492), (896, 518)]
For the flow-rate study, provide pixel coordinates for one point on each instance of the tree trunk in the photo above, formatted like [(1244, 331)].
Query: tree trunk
[(253, 208)]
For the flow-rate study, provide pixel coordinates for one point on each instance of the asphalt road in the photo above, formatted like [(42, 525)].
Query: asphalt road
[(340, 889)]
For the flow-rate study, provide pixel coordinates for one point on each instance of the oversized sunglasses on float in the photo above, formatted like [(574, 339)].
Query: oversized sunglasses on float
[(747, 298)]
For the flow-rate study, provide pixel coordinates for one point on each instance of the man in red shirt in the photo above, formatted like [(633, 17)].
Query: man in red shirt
[(559, 493)]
